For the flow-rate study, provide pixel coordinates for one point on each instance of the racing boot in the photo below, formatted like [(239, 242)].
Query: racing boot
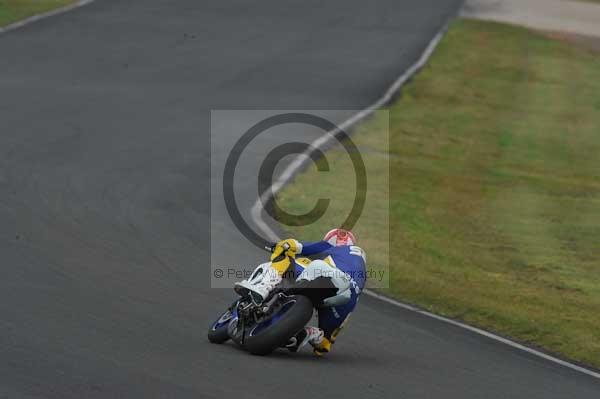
[(308, 335)]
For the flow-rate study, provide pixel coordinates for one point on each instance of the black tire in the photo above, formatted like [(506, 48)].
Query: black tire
[(278, 334), (218, 334)]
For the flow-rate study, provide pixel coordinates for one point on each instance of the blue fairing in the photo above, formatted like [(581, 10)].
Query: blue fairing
[(224, 320)]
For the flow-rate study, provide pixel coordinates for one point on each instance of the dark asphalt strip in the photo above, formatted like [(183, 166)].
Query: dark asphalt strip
[(104, 204)]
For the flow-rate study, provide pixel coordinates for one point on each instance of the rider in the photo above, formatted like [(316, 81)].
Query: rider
[(336, 271)]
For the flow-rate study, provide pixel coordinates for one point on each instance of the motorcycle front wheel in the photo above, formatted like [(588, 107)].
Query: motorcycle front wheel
[(217, 333)]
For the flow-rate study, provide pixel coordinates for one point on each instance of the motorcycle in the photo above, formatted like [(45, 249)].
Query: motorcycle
[(260, 327)]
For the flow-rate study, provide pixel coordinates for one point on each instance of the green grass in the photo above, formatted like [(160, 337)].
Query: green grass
[(14, 10), (494, 207)]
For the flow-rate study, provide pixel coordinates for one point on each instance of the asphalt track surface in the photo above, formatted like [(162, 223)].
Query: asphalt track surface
[(104, 205)]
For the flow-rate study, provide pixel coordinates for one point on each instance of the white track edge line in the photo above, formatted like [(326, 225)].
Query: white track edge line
[(291, 169), (487, 334), (37, 17)]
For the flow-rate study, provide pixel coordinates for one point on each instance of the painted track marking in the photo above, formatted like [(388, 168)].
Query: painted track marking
[(38, 17), (324, 140)]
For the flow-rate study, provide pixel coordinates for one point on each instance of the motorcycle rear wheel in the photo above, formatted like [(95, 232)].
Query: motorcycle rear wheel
[(262, 340)]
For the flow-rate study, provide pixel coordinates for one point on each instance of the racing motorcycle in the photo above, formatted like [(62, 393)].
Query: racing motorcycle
[(260, 327)]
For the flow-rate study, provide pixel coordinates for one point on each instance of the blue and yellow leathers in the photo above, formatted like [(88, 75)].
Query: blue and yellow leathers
[(349, 259)]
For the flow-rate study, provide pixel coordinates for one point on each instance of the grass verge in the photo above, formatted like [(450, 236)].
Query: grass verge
[(494, 158), (15, 10)]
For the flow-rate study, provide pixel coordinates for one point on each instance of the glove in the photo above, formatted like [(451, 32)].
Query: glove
[(286, 248)]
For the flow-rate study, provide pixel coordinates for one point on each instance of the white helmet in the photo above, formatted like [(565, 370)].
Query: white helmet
[(340, 237)]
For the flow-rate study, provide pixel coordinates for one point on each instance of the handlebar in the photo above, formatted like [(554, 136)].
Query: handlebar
[(270, 247)]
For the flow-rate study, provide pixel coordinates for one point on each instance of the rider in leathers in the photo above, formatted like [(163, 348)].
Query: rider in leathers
[(334, 267)]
